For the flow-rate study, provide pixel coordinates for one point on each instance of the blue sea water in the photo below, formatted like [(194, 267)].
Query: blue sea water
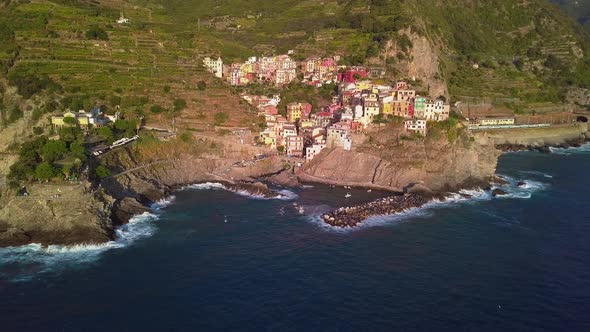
[(208, 259)]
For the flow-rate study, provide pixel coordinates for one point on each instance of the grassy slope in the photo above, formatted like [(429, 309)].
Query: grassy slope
[(135, 64)]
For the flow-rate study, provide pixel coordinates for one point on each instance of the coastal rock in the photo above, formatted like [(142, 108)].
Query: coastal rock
[(56, 214), (498, 192), (285, 179), (125, 209)]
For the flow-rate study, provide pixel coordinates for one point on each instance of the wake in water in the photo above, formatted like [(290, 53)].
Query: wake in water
[(25, 262), (539, 174)]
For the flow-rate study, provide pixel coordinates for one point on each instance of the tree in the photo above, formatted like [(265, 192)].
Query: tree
[(121, 125), (78, 150), (220, 118), (179, 104), (70, 120), (44, 171), (102, 172), (52, 150), (67, 170), (96, 32), (106, 133)]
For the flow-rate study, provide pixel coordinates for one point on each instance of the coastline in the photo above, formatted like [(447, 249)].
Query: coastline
[(133, 195)]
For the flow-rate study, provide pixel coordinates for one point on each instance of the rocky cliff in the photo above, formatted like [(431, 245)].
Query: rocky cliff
[(431, 165), (55, 214)]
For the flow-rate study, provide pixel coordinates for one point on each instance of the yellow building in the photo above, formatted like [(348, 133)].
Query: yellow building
[(58, 121), (306, 124)]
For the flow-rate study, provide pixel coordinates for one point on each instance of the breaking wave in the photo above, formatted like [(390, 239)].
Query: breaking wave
[(514, 188), (25, 262), (285, 195), (585, 148)]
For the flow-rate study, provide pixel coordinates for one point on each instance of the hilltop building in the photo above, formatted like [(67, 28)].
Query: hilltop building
[(214, 66)]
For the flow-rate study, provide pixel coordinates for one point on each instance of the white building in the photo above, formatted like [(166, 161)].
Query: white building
[(371, 106), (416, 125), (314, 150), (436, 110), (347, 115), (214, 66), (358, 111), (123, 20)]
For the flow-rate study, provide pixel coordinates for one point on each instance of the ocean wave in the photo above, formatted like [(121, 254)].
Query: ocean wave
[(285, 195), (163, 203), (585, 148), (25, 262), (525, 191), (521, 189)]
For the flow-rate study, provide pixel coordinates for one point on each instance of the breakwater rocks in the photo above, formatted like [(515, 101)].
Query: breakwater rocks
[(545, 148), (352, 216)]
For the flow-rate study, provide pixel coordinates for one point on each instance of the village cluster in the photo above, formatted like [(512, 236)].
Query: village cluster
[(304, 133)]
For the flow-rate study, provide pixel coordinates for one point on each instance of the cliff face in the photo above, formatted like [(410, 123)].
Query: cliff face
[(420, 60), (54, 214), (435, 166)]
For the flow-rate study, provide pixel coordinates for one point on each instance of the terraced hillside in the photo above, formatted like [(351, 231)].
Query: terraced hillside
[(147, 62), (75, 51)]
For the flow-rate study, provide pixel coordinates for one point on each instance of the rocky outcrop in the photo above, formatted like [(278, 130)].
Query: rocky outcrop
[(56, 215), (434, 166), (420, 61), (146, 185)]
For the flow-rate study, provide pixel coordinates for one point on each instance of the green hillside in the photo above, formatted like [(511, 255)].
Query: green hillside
[(528, 51)]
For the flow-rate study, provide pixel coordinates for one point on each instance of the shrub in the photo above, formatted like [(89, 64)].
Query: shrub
[(102, 172), (157, 109), (220, 118), (96, 32), (166, 88), (179, 104), (37, 131), (201, 85), (186, 137), (44, 171)]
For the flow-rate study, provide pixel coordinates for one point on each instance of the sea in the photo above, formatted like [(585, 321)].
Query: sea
[(207, 259)]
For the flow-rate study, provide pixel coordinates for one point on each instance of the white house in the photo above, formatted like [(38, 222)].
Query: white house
[(314, 150), (416, 125), (436, 110), (214, 66), (123, 20)]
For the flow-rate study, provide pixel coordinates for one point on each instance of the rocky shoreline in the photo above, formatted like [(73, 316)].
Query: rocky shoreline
[(347, 217), (546, 148)]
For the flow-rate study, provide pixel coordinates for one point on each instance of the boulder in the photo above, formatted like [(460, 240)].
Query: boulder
[(125, 209), (498, 192)]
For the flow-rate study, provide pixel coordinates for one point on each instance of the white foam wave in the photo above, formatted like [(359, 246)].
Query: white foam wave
[(585, 148), (163, 203), (513, 190), (285, 195), (24, 262)]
